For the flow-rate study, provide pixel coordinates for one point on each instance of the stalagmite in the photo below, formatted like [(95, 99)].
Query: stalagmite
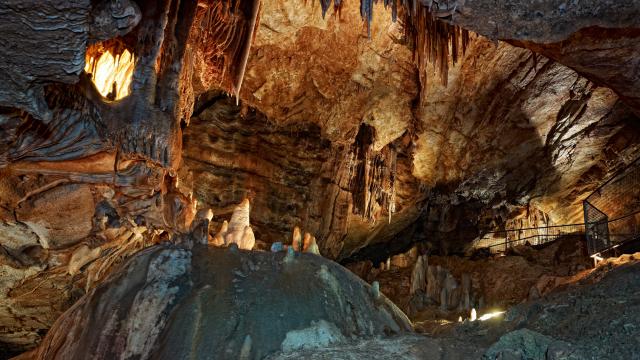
[(297, 239), (444, 295), (453, 292), (312, 246), (418, 275), (306, 241), (200, 231), (218, 240), (375, 290), (248, 239), (240, 216), (465, 302), (205, 214), (245, 351), (291, 255), (239, 231)]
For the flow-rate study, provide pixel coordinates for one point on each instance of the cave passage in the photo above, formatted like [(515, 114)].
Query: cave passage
[(282, 179)]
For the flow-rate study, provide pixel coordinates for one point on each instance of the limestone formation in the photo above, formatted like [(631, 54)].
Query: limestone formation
[(81, 257), (248, 240), (312, 246), (418, 275), (375, 290), (162, 314), (218, 239), (376, 134), (239, 229), (291, 255), (200, 231), (296, 240), (306, 241), (205, 214)]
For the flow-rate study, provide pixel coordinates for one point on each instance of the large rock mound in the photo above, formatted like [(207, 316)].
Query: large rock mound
[(169, 302)]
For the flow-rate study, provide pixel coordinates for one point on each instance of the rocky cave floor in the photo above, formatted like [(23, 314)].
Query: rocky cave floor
[(593, 317), (216, 296)]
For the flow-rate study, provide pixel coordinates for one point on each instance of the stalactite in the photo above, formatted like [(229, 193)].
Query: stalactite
[(435, 41), (372, 175), (225, 32)]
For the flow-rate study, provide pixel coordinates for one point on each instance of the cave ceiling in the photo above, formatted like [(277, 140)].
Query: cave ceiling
[(372, 125)]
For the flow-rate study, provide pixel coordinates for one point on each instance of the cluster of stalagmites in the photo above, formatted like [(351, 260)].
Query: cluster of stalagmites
[(433, 284), (298, 243), (302, 244), (238, 230)]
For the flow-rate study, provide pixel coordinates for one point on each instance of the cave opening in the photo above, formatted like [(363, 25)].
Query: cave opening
[(271, 179), (110, 66)]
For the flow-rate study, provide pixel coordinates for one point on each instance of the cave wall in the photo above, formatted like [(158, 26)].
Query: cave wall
[(512, 135), (293, 175)]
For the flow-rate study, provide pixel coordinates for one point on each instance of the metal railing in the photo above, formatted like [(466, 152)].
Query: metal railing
[(501, 241), (612, 211)]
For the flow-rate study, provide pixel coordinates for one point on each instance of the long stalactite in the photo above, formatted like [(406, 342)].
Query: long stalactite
[(227, 29), (372, 175)]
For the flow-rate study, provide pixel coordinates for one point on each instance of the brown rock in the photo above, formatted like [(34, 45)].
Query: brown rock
[(61, 216)]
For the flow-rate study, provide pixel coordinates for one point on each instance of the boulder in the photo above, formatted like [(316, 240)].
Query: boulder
[(169, 303)]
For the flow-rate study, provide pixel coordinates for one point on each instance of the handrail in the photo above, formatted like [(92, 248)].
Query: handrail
[(532, 237), (616, 197), (534, 228), (624, 216)]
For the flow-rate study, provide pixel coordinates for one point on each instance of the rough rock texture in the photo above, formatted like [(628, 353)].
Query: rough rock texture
[(326, 71), (76, 167), (594, 53), (50, 213), (168, 302), (61, 239), (522, 344), (542, 22), (448, 287), (335, 132), (60, 37), (401, 348), (599, 317), (552, 124), (294, 175), (516, 131), (512, 132), (597, 38)]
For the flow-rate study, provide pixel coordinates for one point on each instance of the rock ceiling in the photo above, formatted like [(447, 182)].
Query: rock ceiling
[(331, 126)]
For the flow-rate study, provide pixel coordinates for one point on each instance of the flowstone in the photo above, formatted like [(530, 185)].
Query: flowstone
[(229, 302)]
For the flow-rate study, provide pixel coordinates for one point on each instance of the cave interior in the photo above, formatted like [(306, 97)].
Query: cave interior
[(346, 179)]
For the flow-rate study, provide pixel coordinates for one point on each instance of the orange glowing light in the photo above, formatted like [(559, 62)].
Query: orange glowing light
[(111, 74)]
